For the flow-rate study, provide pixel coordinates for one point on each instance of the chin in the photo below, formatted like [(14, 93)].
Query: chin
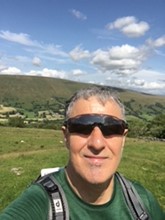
[(96, 179)]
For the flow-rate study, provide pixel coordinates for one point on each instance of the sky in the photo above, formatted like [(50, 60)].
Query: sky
[(118, 43)]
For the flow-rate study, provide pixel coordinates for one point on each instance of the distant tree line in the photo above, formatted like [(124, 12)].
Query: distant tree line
[(137, 127), (45, 124), (140, 125), (153, 128)]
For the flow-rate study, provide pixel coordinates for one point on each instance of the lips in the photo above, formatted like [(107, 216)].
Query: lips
[(96, 157), (95, 160)]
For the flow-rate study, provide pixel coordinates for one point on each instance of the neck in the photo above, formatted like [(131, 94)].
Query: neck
[(97, 194)]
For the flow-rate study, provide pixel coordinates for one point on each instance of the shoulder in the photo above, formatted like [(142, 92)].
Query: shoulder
[(32, 204), (143, 192), (149, 201)]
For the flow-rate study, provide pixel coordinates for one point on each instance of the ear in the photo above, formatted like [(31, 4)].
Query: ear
[(124, 137), (64, 130), (125, 132), (65, 134)]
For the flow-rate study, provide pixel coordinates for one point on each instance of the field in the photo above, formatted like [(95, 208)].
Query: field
[(24, 152)]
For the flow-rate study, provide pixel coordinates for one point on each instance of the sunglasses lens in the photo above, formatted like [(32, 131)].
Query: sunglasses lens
[(80, 128), (113, 129), (84, 124)]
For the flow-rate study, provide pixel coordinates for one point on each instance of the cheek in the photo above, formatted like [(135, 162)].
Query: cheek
[(116, 145), (75, 143)]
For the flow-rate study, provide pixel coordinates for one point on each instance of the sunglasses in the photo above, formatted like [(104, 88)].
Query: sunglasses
[(84, 124)]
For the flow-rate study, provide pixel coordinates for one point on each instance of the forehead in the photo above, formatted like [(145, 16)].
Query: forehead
[(93, 106)]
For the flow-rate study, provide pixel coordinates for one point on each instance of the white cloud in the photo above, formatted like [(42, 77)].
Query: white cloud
[(124, 51), (159, 42), (78, 53), (53, 50), (121, 22), (78, 72), (48, 73), (139, 82), (36, 61), (121, 65), (24, 39), (153, 85), (150, 75), (148, 87), (123, 59), (136, 29), (78, 14), (44, 72), (129, 26), (148, 81), (20, 38), (11, 71)]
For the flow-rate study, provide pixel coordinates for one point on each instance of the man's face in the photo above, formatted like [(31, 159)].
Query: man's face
[(94, 157)]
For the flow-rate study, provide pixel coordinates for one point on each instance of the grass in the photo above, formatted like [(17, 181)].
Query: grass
[(144, 162), (30, 150)]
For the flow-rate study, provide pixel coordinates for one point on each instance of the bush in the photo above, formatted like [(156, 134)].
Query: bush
[(156, 126), (16, 122)]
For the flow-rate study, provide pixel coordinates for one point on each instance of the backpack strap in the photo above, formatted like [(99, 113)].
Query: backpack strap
[(132, 198), (59, 207)]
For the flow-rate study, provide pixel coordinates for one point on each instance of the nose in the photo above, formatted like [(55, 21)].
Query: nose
[(96, 141)]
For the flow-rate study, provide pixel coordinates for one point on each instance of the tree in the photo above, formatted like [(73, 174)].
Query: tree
[(136, 127), (156, 127), (16, 122)]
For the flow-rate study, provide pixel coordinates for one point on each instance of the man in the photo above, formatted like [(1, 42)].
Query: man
[(94, 133)]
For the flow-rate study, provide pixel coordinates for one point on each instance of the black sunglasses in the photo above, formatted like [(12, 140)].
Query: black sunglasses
[(84, 124)]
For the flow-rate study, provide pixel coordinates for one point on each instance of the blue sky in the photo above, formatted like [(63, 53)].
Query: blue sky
[(118, 43)]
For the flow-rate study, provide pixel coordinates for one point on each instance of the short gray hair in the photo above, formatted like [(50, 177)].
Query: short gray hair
[(102, 93)]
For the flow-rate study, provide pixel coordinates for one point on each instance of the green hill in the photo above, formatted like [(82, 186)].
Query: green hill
[(27, 92)]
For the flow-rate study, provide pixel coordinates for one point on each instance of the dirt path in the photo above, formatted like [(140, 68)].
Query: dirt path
[(22, 153)]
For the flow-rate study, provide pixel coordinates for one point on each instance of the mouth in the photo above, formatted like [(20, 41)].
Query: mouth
[(95, 160)]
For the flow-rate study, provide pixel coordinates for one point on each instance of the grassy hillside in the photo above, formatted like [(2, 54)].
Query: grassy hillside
[(24, 91), (32, 88), (24, 152)]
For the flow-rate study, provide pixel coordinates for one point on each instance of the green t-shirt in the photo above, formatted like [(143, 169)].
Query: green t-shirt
[(34, 204)]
